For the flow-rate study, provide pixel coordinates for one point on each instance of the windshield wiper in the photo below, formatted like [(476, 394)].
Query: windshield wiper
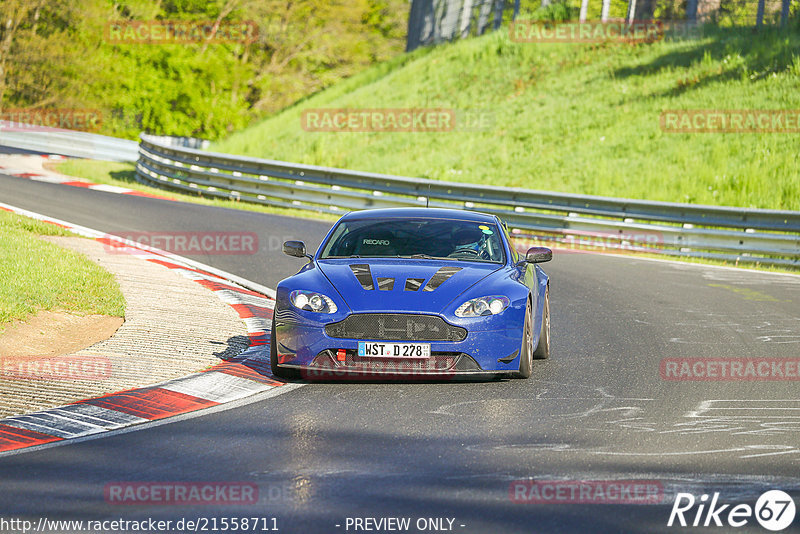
[(429, 257), (422, 257)]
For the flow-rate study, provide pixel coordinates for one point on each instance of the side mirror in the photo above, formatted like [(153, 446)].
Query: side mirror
[(538, 255), (296, 249)]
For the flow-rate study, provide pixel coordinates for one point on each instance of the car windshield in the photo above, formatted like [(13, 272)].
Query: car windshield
[(415, 238)]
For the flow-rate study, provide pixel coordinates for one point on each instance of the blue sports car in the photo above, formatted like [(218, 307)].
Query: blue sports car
[(412, 293)]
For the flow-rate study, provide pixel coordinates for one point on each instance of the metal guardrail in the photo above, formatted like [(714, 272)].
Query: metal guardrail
[(734, 234), (69, 143)]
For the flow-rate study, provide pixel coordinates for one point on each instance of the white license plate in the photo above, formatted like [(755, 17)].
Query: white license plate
[(378, 349)]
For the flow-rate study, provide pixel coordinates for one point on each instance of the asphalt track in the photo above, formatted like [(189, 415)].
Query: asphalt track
[(597, 410)]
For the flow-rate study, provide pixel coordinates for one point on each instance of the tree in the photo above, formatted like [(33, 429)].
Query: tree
[(785, 13), (53, 53), (584, 10), (16, 17), (606, 8)]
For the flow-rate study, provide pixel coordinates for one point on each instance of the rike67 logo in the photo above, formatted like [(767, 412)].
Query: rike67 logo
[(774, 510)]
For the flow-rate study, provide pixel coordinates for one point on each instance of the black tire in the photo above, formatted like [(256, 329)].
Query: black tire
[(278, 372), (542, 351), (525, 359)]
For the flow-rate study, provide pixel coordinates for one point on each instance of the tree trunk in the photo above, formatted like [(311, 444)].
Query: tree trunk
[(584, 10), (466, 13), (631, 10), (606, 9), (760, 14), (644, 10), (691, 11), (498, 13), (449, 28), (420, 24), (483, 17), (785, 13)]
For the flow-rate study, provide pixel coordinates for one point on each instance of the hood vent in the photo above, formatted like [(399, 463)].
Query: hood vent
[(440, 277), (363, 275), (385, 284), (413, 284)]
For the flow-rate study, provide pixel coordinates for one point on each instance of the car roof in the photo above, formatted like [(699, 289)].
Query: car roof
[(421, 213)]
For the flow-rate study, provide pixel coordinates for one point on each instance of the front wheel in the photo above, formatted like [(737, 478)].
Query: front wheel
[(542, 351), (525, 360), (278, 372)]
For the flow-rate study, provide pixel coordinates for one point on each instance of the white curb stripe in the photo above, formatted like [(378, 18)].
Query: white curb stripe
[(257, 324), (195, 276), (216, 387), (110, 188), (73, 420), (235, 297), (48, 179)]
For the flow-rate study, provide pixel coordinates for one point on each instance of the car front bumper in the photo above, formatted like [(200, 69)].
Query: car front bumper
[(307, 347)]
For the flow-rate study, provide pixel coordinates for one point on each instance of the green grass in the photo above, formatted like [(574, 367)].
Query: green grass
[(124, 175), (570, 118), (37, 275)]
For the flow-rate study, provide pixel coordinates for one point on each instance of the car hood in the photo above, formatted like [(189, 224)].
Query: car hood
[(402, 285)]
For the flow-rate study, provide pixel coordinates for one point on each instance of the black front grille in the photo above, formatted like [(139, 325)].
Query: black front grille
[(395, 327), (329, 360), (437, 362)]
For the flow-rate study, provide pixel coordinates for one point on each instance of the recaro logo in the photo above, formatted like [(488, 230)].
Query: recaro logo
[(774, 510), (376, 242)]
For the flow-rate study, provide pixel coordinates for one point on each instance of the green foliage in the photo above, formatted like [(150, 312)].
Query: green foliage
[(559, 11), (59, 57)]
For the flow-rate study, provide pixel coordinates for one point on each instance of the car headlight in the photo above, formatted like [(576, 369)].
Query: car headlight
[(483, 306), (312, 301)]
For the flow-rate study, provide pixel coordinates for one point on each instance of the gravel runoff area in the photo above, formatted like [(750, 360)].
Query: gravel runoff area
[(173, 326)]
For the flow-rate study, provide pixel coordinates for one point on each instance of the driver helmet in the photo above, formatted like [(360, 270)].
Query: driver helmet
[(467, 238)]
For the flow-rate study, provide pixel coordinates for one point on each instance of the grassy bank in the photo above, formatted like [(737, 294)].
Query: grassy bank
[(570, 117), (37, 275)]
